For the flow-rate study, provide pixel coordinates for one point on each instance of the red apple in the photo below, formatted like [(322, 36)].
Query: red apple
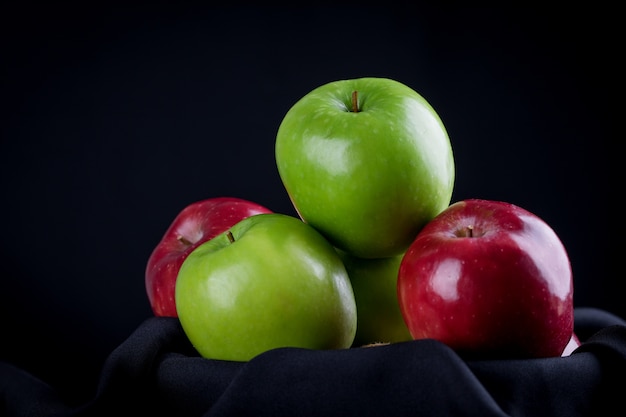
[(489, 279), (195, 224), (571, 346)]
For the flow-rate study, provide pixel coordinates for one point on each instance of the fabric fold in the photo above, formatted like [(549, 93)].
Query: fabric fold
[(156, 372)]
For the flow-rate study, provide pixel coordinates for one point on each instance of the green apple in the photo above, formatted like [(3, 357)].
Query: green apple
[(379, 319), (269, 281), (367, 162)]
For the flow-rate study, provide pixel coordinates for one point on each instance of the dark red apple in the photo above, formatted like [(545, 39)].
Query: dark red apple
[(195, 224), (489, 279)]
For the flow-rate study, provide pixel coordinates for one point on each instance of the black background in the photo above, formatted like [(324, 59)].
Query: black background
[(114, 119)]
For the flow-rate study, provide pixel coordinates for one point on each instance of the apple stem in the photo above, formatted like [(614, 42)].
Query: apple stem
[(355, 101), (184, 241), (230, 236), (470, 231)]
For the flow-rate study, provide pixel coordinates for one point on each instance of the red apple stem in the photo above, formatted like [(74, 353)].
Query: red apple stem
[(470, 231), (355, 101), (184, 241), (230, 236)]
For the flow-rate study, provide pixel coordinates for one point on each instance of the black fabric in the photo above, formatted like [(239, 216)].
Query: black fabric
[(156, 372)]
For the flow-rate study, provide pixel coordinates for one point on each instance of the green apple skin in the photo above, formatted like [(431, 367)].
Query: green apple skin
[(374, 283), (370, 179), (279, 283)]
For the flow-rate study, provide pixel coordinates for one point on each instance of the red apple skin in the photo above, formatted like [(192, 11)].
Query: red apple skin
[(194, 225), (506, 291), (572, 345)]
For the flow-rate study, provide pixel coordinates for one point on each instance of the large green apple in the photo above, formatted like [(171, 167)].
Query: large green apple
[(367, 162), (270, 281), (374, 282)]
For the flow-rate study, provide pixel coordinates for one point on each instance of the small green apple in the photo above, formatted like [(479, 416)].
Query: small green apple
[(270, 281), (367, 162), (379, 319)]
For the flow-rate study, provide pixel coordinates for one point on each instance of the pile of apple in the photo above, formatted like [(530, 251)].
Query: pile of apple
[(377, 254)]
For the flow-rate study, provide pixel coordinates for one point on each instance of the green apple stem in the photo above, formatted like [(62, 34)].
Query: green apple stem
[(230, 236), (355, 101)]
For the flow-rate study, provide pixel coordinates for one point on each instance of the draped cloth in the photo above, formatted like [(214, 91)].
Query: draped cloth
[(156, 372)]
